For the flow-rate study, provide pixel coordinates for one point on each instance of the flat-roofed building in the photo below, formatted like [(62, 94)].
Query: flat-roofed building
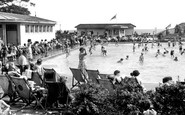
[(17, 29), (113, 30)]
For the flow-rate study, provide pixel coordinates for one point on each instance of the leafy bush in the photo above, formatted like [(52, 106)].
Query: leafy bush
[(88, 99), (169, 100), (128, 99)]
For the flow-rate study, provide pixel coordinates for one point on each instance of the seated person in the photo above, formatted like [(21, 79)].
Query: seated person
[(167, 81), (120, 61), (117, 77), (135, 75), (148, 109), (10, 66)]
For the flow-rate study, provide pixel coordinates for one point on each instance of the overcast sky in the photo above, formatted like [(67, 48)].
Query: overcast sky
[(145, 14)]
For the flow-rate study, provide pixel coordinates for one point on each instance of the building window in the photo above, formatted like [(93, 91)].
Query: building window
[(44, 28), (36, 28), (40, 28), (27, 28), (51, 28), (116, 32), (32, 28), (48, 28)]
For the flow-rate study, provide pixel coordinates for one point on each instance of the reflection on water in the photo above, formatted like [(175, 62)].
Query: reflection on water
[(152, 71)]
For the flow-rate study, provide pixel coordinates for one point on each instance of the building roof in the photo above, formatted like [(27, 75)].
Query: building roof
[(103, 26), (10, 17)]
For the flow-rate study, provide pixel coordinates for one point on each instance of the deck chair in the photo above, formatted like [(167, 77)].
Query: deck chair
[(106, 83), (49, 75), (78, 76), (58, 93), (103, 76), (7, 87), (37, 79), (93, 75), (26, 93)]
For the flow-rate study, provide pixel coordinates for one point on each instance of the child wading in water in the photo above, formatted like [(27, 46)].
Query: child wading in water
[(4, 108), (90, 50), (104, 51), (141, 58)]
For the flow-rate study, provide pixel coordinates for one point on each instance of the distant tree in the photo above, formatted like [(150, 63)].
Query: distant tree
[(135, 34), (159, 36), (178, 30), (167, 32), (10, 7)]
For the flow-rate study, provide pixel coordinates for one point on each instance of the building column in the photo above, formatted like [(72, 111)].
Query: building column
[(4, 34), (18, 34)]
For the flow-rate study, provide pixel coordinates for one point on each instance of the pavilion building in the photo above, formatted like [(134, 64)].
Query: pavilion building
[(17, 29), (113, 30)]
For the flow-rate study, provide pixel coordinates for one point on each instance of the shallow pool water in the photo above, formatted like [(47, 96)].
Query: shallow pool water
[(151, 71)]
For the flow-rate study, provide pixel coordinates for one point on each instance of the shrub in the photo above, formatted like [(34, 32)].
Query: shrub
[(89, 99), (169, 100)]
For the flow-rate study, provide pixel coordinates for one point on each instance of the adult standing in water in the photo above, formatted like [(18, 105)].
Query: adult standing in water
[(82, 64)]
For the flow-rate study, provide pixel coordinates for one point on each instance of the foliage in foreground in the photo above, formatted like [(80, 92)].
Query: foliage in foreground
[(92, 99)]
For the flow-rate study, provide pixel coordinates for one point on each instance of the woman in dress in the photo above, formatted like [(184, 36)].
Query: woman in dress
[(30, 55), (82, 64)]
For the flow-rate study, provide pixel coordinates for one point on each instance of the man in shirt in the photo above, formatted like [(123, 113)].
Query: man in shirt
[(23, 62)]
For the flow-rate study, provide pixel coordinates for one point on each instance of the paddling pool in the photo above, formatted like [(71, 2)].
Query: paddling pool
[(151, 71)]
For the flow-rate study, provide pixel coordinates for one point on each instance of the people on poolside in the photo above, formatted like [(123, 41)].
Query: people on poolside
[(176, 59), (104, 51), (120, 61), (167, 81), (141, 58), (116, 40), (135, 75), (39, 68), (22, 62), (117, 77), (127, 57), (82, 64), (30, 54)]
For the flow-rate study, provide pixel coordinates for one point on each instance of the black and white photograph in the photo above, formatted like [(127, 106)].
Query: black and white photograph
[(92, 57)]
